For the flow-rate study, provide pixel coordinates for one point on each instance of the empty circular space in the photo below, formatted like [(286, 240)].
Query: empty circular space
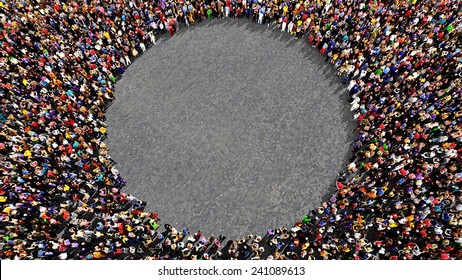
[(230, 128)]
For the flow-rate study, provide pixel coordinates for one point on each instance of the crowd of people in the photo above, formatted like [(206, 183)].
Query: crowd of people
[(399, 197)]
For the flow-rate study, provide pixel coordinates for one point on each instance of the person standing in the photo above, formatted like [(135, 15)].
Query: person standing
[(248, 11), (261, 14), (290, 27), (284, 23)]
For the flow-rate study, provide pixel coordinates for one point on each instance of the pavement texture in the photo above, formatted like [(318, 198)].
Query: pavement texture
[(230, 127)]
